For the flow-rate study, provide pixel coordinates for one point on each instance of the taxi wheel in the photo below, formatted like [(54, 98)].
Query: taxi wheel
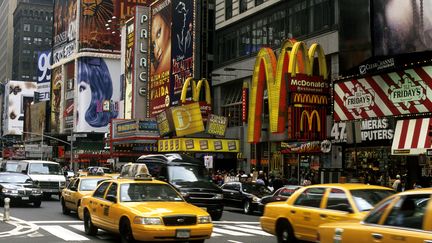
[(247, 207), (65, 210), (89, 228), (285, 233), (126, 235)]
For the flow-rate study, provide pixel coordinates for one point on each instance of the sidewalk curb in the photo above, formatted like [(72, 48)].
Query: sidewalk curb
[(21, 227)]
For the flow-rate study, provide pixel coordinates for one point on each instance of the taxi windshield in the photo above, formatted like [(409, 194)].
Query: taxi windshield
[(366, 199), (147, 192), (90, 184)]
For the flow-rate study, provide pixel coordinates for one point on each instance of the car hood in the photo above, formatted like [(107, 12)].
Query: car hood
[(17, 185), (158, 209), (48, 177), (198, 186)]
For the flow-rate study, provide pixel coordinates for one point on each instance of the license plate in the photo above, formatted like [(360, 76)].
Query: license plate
[(182, 233), (25, 198)]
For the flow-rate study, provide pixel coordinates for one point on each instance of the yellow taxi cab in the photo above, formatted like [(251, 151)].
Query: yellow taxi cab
[(143, 209), (77, 188), (311, 206), (404, 217)]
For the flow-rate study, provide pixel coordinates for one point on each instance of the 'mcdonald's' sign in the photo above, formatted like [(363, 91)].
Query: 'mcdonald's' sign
[(296, 97)]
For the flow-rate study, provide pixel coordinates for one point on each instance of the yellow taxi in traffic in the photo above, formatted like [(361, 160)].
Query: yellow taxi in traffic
[(404, 217), (77, 188), (144, 209), (311, 206)]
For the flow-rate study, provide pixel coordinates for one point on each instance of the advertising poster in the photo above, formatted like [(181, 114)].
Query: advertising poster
[(69, 96), (160, 57), (18, 95), (126, 8), (407, 26), (65, 29), (98, 98), (56, 88), (44, 76), (37, 114), (94, 35), (130, 36), (182, 46)]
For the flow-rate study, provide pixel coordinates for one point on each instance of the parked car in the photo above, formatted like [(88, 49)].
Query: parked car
[(300, 215), (79, 187), (404, 217), (19, 188), (245, 195), (281, 194), (144, 209)]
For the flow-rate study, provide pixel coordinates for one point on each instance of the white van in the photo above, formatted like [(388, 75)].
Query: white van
[(47, 173)]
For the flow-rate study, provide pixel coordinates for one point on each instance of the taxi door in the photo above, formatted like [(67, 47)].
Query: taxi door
[(408, 221), (337, 207), (68, 193), (109, 219), (96, 203), (305, 213)]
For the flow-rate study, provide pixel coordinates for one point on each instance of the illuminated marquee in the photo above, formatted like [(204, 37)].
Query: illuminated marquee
[(296, 61)]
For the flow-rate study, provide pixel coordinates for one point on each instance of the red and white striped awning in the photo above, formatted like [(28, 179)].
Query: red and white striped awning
[(412, 137)]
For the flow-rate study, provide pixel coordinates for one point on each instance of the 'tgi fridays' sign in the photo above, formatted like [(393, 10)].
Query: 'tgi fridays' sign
[(371, 130)]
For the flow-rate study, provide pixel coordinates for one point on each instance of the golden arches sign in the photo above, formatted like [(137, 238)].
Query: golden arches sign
[(294, 58), (309, 117), (196, 90)]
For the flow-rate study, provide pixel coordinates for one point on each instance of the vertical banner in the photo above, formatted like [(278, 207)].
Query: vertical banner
[(65, 29), (160, 57), (94, 34), (44, 76), (141, 66), (56, 87), (69, 96), (130, 37), (182, 46), (98, 88)]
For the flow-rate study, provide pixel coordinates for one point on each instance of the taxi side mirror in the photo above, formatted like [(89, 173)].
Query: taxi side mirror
[(111, 198)]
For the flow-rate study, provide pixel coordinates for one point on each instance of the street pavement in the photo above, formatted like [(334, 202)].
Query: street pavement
[(15, 227)]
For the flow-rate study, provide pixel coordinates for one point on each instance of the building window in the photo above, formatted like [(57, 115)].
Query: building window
[(232, 105), (228, 9), (37, 40), (26, 27), (321, 18), (243, 6), (38, 28), (258, 2), (26, 52), (27, 40)]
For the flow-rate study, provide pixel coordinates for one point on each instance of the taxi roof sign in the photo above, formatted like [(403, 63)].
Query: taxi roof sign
[(135, 171)]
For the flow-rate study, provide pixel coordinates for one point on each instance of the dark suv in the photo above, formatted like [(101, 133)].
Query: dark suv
[(190, 177)]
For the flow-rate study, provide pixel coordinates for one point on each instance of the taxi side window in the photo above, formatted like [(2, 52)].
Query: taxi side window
[(72, 183), (310, 197), (408, 212), (337, 200), (112, 191), (100, 191), (376, 214)]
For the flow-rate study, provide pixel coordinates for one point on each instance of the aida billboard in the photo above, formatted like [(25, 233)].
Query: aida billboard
[(18, 94), (93, 34), (171, 53), (98, 95), (296, 97), (64, 29)]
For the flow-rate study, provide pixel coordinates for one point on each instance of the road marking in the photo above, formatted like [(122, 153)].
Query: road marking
[(250, 226), (234, 222), (234, 241), (57, 222), (253, 231), (63, 233), (230, 232)]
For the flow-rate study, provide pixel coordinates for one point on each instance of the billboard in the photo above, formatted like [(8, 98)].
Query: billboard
[(65, 29), (44, 76), (404, 92), (160, 56), (182, 46), (124, 9), (98, 88), (187, 119), (56, 89), (68, 95), (94, 35), (129, 67), (401, 26), (18, 94), (198, 145), (35, 119), (287, 76)]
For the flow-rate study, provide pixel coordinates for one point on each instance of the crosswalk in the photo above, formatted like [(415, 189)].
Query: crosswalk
[(74, 230)]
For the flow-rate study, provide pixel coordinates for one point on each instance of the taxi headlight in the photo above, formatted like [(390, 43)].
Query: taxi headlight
[(9, 191), (148, 220), (204, 220), (218, 196)]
